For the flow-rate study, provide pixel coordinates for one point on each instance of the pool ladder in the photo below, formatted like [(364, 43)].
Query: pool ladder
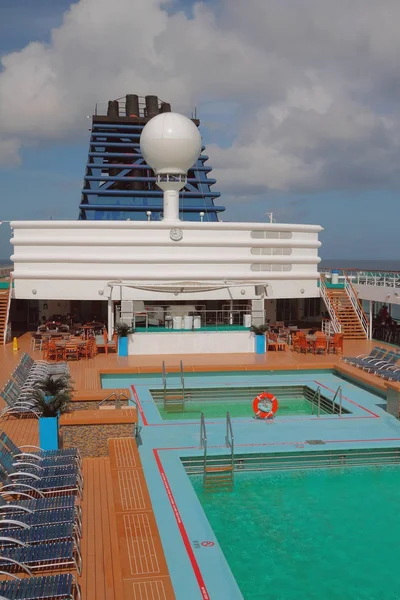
[(174, 402), (218, 471)]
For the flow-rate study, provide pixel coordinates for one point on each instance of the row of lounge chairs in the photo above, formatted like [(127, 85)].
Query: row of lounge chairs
[(40, 521), (17, 391), (380, 361)]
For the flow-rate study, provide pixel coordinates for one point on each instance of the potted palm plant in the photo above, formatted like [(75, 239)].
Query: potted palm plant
[(50, 385), (49, 411), (122, 330), (259, 334)]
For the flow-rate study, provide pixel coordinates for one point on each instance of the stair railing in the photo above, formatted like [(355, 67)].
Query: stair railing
[(7, 311), (164, 379), (334, 323), (117, 397), (203, 443), (317, 395), (356, 304), (229, 439), (339, 392), (182, 378)]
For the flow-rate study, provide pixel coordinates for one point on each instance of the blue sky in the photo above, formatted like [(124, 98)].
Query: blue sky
[(359, 221)]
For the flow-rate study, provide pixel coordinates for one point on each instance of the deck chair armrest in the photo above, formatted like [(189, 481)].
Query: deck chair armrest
[(28, 455), (23, 474), (30, 446), (13, 541), (12, 487), (15, 562), (27, 464), (16, 507), (13, 522), (19, 493)]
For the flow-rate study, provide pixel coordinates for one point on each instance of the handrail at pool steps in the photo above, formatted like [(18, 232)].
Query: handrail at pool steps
[(316, 395), (339, 392), (230, 440), (355, 301), (174, 400), (217, 471)]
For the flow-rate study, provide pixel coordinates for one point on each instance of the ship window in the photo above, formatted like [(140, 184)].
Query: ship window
[(273, 251), (272, 235), (270, 267)]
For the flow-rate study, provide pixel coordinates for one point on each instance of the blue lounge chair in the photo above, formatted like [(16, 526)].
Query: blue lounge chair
[(389, 360), (42, 457), (24, 467), (56, 556), (24, 504), (14, 519), (377, 353), (49, 587), (16, 404), (46, 534), (49, 485)]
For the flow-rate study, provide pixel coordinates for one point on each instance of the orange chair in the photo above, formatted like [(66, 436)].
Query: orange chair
[(303, 345), (113, 345), (320, 345)]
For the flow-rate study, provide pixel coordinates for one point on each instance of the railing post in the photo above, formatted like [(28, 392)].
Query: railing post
[(319, 403), (340, 401)]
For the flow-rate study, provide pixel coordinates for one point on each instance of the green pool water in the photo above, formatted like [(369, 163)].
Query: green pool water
[(310, 535), (236, 408)]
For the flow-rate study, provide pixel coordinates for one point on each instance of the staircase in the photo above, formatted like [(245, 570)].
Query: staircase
[(218, 474), (174, 402), (5, 296), (345, 310)]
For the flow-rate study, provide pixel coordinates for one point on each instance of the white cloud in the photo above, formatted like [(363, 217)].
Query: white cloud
[(315, 83)]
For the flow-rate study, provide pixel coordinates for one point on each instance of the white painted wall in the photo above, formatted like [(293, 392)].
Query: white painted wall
[(77, 259), (199, 342)]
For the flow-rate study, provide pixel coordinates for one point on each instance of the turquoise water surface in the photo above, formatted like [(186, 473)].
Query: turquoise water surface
[(310, 535), (236, 408)]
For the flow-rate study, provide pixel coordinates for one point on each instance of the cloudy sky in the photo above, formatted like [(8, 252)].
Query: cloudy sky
[(299, 102)]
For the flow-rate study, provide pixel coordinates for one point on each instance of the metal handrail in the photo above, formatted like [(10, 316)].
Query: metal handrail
[(203, 442), (336, 325), (7, 310), (117, 396), (317, 395), (229, 439), (182, 378), (350, 291), (164, 378), (339, 392)]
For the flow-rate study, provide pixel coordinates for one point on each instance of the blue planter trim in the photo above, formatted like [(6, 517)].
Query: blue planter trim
[(48, 433), (123, 346), (260, 344)]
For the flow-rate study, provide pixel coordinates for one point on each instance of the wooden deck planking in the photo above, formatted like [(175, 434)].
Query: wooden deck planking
[(101, 574), (144, 567)]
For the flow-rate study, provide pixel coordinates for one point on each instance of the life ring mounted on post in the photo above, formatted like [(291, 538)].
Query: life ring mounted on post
[(263, 410)]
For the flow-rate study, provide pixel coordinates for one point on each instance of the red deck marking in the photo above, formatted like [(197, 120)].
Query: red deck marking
[(145, 423), (207, 544), (348, 400), (182, 530)]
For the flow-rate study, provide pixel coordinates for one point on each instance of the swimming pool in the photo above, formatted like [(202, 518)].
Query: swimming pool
[(310, 534), (215, 402)]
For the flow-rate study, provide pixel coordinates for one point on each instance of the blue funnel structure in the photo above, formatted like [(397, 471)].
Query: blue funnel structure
[(118, 183)]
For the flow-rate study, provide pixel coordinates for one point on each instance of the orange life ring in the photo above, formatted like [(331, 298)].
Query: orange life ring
[(265, 414)]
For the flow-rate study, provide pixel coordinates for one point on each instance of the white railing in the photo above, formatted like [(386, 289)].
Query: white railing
[(389, 279), (5, 340), (352, 294), (334, 323)]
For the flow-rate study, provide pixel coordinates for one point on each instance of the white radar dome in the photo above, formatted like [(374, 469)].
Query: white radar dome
[(170, 143)]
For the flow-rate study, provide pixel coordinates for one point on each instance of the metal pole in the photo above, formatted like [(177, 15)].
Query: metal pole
[(319, 403), (371, 305), (340, 402), (110, 324)]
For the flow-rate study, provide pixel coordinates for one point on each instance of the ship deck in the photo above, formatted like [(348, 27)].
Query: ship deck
[(121, 546)]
